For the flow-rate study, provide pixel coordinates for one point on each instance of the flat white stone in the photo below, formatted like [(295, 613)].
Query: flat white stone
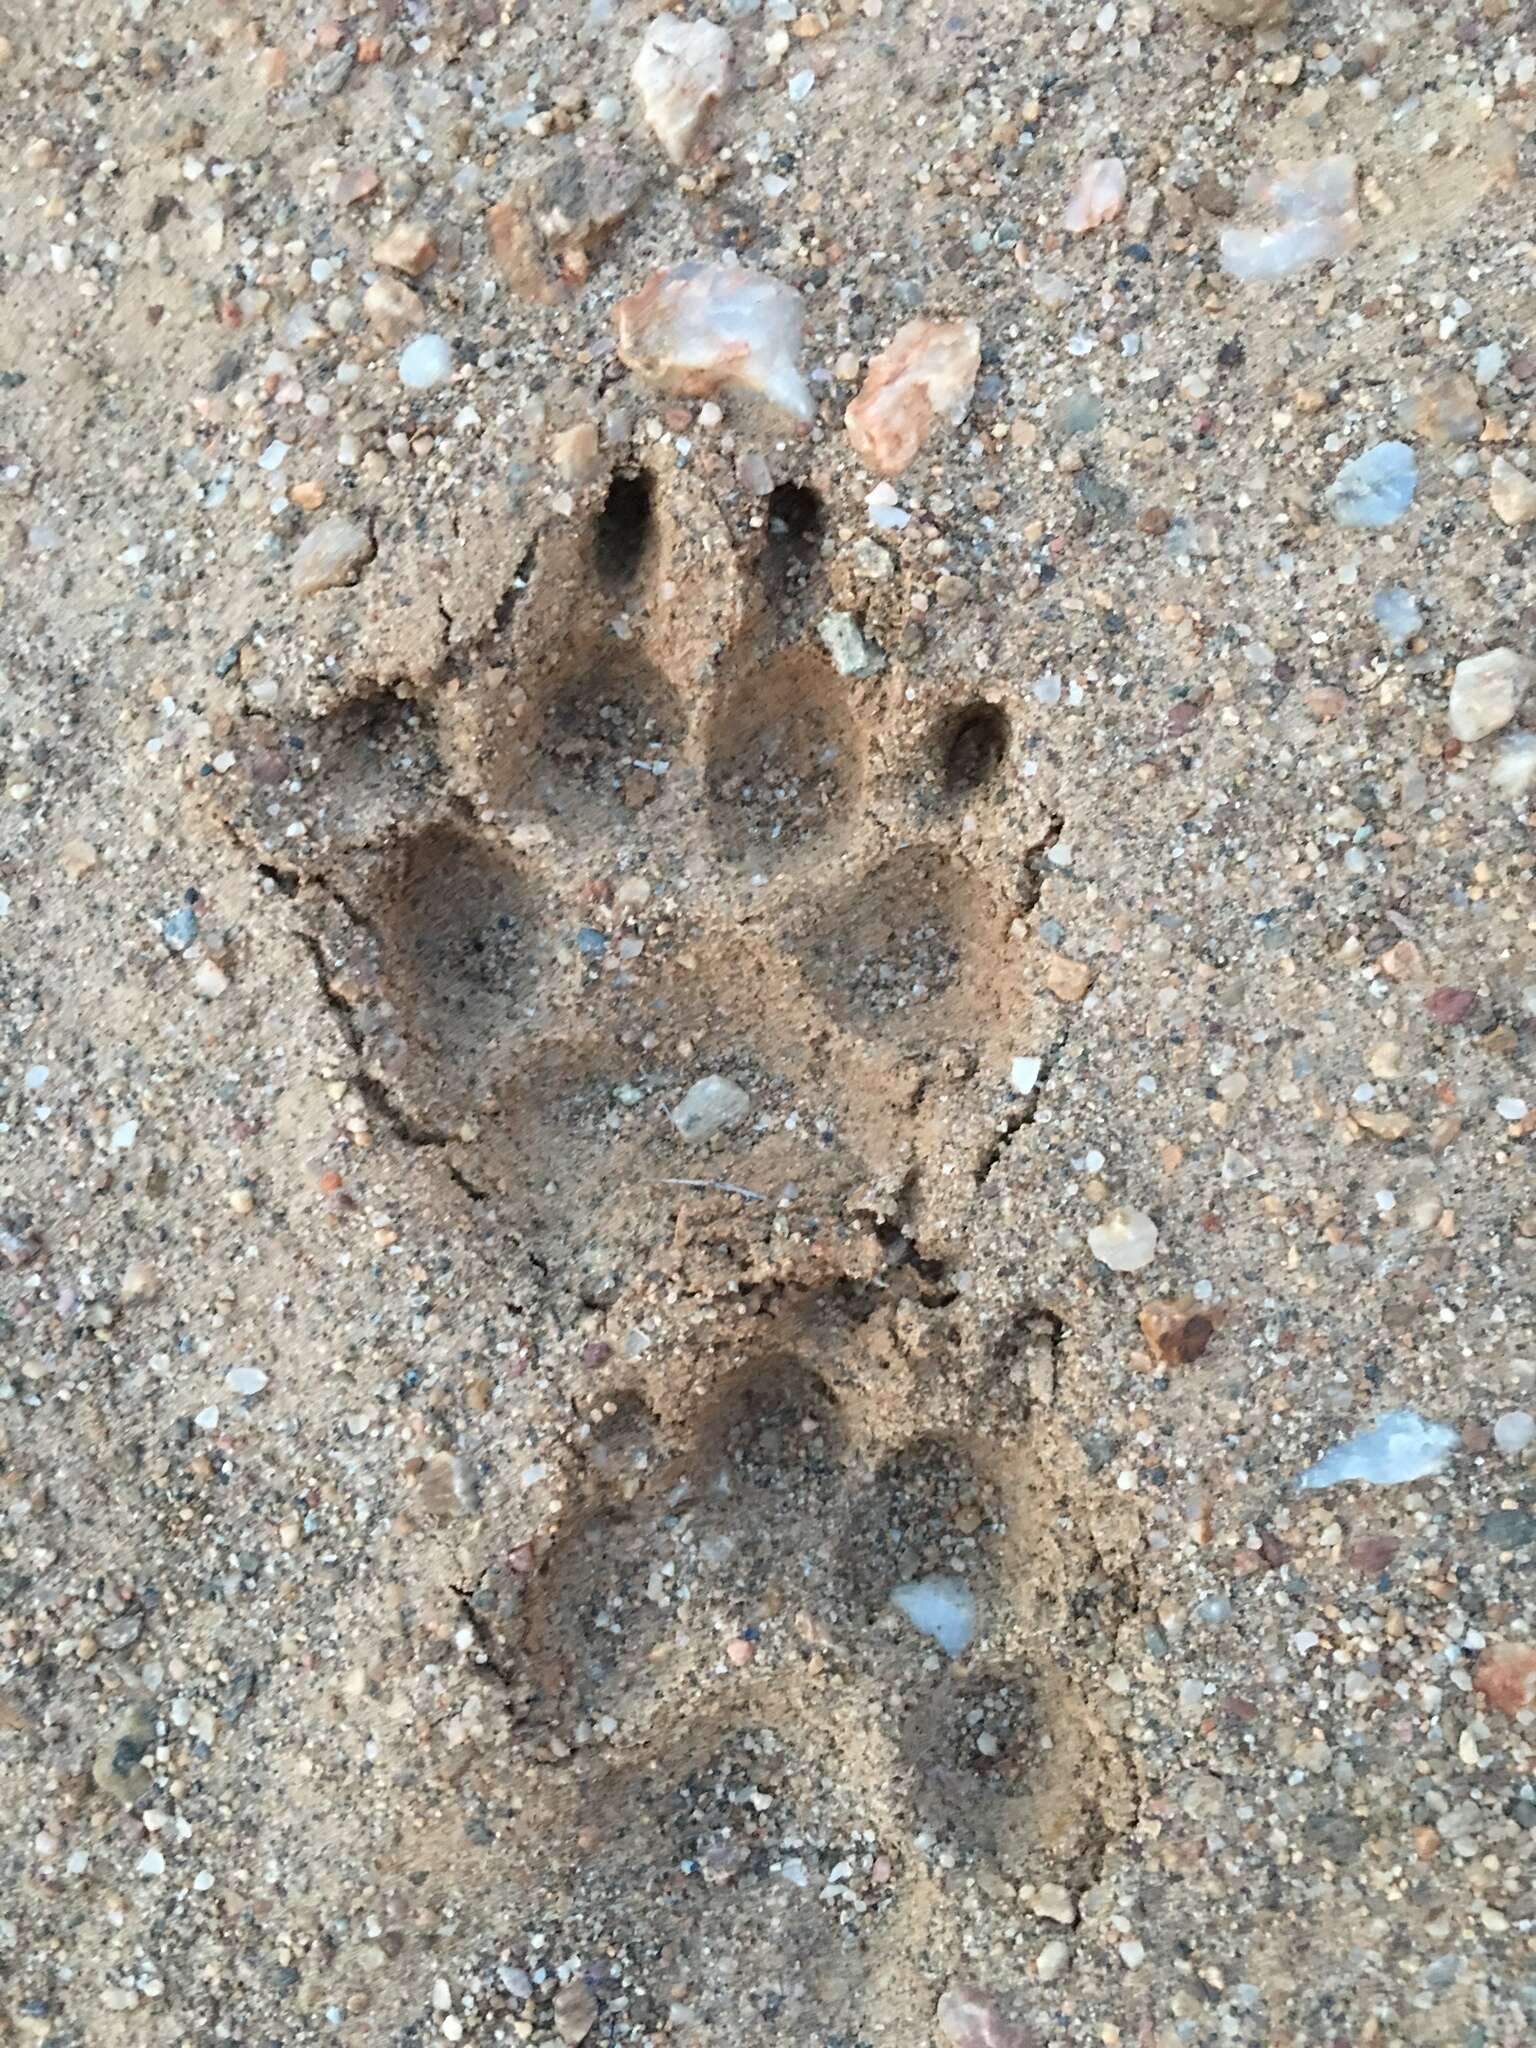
[(1399, 1448), (941, 1608), (1125, 1241), (425, 362)]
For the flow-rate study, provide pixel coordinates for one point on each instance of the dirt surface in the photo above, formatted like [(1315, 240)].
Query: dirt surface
[(452, 1515)]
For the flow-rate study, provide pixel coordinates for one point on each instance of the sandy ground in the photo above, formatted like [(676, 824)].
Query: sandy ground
[(451, 1518)]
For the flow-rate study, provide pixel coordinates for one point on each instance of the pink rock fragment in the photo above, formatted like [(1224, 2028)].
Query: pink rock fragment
[(1449, 1005), (1312, 218), (705, 327), (681, 74), (359, 183), (928, 373), (1099, 196), (969, 2019)]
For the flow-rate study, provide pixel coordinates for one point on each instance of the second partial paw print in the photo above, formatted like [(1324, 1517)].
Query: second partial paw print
[(644, 835), (786, 1558)]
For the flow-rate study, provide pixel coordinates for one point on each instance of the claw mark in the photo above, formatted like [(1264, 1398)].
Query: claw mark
[(1022, 1113), (901, 1250), (1035, 861), (372, 1090), (488, 1657), (522, 575)]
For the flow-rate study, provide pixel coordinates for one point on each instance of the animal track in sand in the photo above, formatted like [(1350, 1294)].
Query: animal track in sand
[(709, 1686), (646, 833), (643, 834)]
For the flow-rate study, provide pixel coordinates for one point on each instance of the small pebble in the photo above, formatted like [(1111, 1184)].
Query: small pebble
[(330, 554), (1444, 411), (1486, 693), (970, 2018), (1397, 612), (681, 73), (1377, 488), (926, 375), (1052, 1961), (575, 2011), (1125, 1241), (941, 1608), (1505, 1675), (1511, 493), (574, 453), (409, 247), (851, 653), (711, 1106), (180, 928), (425, 363), (392, 309), (699, 328), (1177, 1332), (1068, 980), (1513, 773), (1514, 1432), (140, 1281), (1399, 1448), (1099, 197), (1305, 212)]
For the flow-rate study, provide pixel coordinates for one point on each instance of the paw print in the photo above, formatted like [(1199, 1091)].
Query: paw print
[(646, 835), (707, 1676)]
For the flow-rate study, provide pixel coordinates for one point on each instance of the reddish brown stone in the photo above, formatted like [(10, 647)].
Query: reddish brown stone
[(1449, 1005), (1177, 1332), (1505, 1675), (544, 232), (519, 255), (1372, 1554)]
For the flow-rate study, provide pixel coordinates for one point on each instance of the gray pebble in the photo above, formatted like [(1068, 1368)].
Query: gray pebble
[(1510, 1528), (179, 929), (711, 1106)]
